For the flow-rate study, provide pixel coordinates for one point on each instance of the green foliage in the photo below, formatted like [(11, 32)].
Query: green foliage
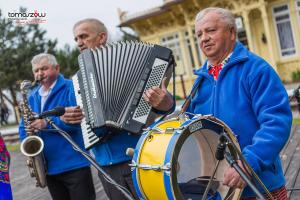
[(296, 76), (13, 147), (67, 59), (18, 44), (178, 98), (296, 121)]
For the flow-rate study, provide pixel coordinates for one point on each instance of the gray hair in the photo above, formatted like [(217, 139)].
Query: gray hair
[(38, 58), (225, 14), (98, 25)]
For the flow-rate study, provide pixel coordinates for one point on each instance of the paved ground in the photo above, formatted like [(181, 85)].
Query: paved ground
[(24, 187), (290, 157)]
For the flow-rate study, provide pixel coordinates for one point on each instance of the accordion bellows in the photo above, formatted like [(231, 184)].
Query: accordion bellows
[(112, 79)]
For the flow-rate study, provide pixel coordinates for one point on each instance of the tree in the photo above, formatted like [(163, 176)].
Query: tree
[(18, 44), (68, 60)]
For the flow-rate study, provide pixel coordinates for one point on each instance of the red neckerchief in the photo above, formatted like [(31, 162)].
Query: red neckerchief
[(214, 70)]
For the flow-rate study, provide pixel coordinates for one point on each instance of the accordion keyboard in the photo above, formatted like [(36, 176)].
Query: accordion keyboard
[(89, 137)]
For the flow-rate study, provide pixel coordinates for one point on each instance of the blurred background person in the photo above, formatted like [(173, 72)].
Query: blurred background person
[(5, 189)]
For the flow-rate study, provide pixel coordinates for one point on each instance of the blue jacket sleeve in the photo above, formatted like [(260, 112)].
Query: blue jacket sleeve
[(22, 132), (271, 106), (70, 101)]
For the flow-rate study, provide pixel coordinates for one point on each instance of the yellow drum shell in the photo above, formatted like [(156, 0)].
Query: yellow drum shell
[(160, 153)]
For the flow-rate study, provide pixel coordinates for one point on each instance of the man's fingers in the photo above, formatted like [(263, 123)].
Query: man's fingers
[(234, 182), (38, 124), (151, 94), (228, 175), (154, 91), (146, 97), (164, 84), (73, 109), (74, 122), (237, 182), (72, 118), (73, 115), (241, 184), (233, 179)]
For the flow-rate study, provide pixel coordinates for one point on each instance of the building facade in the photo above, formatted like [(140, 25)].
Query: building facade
[(270, 28)]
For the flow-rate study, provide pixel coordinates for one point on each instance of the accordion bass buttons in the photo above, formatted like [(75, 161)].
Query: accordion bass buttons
[(135, 102), (136, 98), (140, 88), (147, 70)]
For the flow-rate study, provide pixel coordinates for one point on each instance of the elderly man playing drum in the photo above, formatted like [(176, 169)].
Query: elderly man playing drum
[(245, 92)]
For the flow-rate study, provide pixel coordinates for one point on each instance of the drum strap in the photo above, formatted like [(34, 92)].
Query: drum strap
[(189, 98)]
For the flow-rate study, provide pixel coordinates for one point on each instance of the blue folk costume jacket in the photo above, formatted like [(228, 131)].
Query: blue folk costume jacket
[(113, 151), (58, 152), (250, 98)]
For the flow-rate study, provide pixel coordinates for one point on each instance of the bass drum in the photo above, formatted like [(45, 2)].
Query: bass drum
[(174, 159)]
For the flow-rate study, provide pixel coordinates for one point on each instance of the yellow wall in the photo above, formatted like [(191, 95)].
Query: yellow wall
[(258, 20)]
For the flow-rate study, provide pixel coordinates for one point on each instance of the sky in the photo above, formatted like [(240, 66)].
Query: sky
[(62, 14)]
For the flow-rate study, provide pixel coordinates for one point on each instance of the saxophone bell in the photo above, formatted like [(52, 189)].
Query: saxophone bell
[(32, 146)]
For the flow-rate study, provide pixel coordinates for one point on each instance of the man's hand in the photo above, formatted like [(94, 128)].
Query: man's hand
[(37, 125), (233, 179), (73, 115), (159, 98)]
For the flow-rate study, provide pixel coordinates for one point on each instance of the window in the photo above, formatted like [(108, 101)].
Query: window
[(172, 42), (281, 16), (189, 47), (197, 48), (241, 32)]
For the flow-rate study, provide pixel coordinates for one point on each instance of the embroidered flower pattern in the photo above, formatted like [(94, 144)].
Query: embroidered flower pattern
[(4, 162)]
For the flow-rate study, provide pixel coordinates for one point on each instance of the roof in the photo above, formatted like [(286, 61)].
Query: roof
[(127, 19)]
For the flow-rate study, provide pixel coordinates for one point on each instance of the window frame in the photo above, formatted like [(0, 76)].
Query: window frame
[(282, 13), (166, 42), (298, 10)]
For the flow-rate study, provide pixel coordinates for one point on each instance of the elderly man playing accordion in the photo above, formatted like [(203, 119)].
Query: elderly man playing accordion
[(111, 154)]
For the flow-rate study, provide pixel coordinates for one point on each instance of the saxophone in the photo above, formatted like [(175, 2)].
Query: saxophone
[(32, 146)]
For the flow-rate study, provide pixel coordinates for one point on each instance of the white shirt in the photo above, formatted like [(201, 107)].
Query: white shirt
[(45, 93)]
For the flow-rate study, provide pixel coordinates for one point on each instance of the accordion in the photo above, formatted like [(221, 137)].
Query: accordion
[(111, 81)]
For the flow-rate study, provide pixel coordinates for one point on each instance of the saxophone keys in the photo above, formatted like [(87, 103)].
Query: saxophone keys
[(29, 163)]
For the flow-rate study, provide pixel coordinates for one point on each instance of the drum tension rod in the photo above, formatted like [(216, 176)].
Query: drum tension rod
[(168, 130), (165, 167)]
